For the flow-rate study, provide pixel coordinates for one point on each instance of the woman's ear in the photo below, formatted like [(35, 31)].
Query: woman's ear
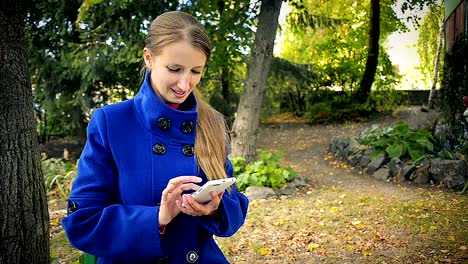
[(147, 57)]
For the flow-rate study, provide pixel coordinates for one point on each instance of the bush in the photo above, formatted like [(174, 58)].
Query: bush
[(399, 142), (266, 171), (58, 175)]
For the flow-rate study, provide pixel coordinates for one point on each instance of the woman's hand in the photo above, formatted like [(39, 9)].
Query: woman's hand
[(172, 195), (192, 207)]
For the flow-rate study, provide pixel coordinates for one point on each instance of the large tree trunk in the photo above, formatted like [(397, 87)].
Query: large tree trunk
[(24, 219), (431, 100), (244, 130), (372, 56)]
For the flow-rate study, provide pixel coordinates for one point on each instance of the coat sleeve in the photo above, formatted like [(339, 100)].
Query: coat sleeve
[(231, 213), (96, 223)]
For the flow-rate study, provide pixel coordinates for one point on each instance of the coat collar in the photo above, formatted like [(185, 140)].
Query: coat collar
[(154, 114)]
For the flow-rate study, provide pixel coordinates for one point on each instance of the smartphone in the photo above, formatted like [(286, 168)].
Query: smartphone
[(202, 195)]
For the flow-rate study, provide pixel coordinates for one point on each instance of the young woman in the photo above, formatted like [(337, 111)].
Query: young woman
[(131, 202)]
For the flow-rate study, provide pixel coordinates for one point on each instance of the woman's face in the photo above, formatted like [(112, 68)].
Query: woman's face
[(175, 71)]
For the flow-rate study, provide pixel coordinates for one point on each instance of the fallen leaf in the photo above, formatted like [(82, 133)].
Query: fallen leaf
[(367, 253), (357, 222), (264, 251), (433, 228), (312, 246), (462, 248)]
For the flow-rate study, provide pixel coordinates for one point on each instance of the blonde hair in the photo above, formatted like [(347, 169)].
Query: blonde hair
[(211, 141)]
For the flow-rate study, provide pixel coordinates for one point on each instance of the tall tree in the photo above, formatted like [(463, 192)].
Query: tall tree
[(24, 228), (365, 86), (244, 130)]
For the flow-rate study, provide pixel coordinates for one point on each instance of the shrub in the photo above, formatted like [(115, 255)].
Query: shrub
[(266, 171), (399, 141), (58, 175)]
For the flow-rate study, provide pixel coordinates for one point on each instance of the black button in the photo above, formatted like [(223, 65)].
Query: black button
[(72, 207), (159, 148), (164, 123), (191, 257), (187, 127), (188, 150)]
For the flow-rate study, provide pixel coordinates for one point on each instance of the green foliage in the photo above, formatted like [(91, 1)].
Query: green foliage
[(58, 175), (428, 40), (333, 37), (265, 171), (399, 142)]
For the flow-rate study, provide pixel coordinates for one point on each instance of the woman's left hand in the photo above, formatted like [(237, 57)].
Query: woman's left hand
[(192, 207)]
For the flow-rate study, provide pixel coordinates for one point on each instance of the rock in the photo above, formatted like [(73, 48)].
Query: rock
[(298, 182), (285, 191), (405, 173), (365, 160), (422, 175), (452, 173), (355, 158), (382, 174), (259, 192), (418, 118), (395, 165), (376, 163)]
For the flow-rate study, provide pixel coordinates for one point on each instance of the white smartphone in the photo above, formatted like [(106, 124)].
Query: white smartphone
[(202, 195)]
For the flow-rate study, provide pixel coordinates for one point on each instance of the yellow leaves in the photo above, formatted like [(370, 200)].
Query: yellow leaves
[(433, 228), (451, 238), (264, 251), (462, 248), (366, 253), (357, 222), (334, 209), (312, 247), (279, 223)]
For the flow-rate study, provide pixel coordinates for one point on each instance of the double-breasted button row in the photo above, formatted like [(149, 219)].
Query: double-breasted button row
[(160, 149), (165, 124)]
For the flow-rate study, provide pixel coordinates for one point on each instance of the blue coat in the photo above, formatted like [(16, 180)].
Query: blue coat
[(134, 148)]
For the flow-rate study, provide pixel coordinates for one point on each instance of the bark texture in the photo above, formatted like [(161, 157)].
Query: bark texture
[(244, 130), (24, 218), (373, 54)]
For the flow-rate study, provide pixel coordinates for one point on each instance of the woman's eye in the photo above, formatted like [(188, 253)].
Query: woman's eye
[(196, 72), (173, 69)]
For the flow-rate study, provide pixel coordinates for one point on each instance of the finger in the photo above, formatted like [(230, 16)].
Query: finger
[(189, 186), (177, 181), (195, 207)]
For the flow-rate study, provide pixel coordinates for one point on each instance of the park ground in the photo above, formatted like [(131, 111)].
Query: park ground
[(342, 216)]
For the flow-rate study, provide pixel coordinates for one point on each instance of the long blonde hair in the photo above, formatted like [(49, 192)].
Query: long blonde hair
[(211, 141)]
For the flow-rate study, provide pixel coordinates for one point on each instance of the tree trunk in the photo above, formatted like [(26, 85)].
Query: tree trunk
[(365, 86), (431, 100), (24, 227), (244, 130)]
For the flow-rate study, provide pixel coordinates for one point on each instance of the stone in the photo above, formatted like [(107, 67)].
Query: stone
[(376, 163), (365, 160), (422, 175), (395, 165), (382, 174), (259, 192), (452, 173), (405, 173), (355, 159)]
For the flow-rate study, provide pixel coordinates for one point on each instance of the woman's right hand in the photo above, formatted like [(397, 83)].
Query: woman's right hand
[(172, 193)]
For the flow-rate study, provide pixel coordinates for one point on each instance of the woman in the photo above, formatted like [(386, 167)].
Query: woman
[(130, 202)]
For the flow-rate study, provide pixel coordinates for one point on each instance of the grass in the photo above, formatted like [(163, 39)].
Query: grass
[(335, 226), (332, 225)]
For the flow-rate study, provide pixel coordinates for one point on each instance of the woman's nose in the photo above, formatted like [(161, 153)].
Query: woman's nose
[(184, 83)]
